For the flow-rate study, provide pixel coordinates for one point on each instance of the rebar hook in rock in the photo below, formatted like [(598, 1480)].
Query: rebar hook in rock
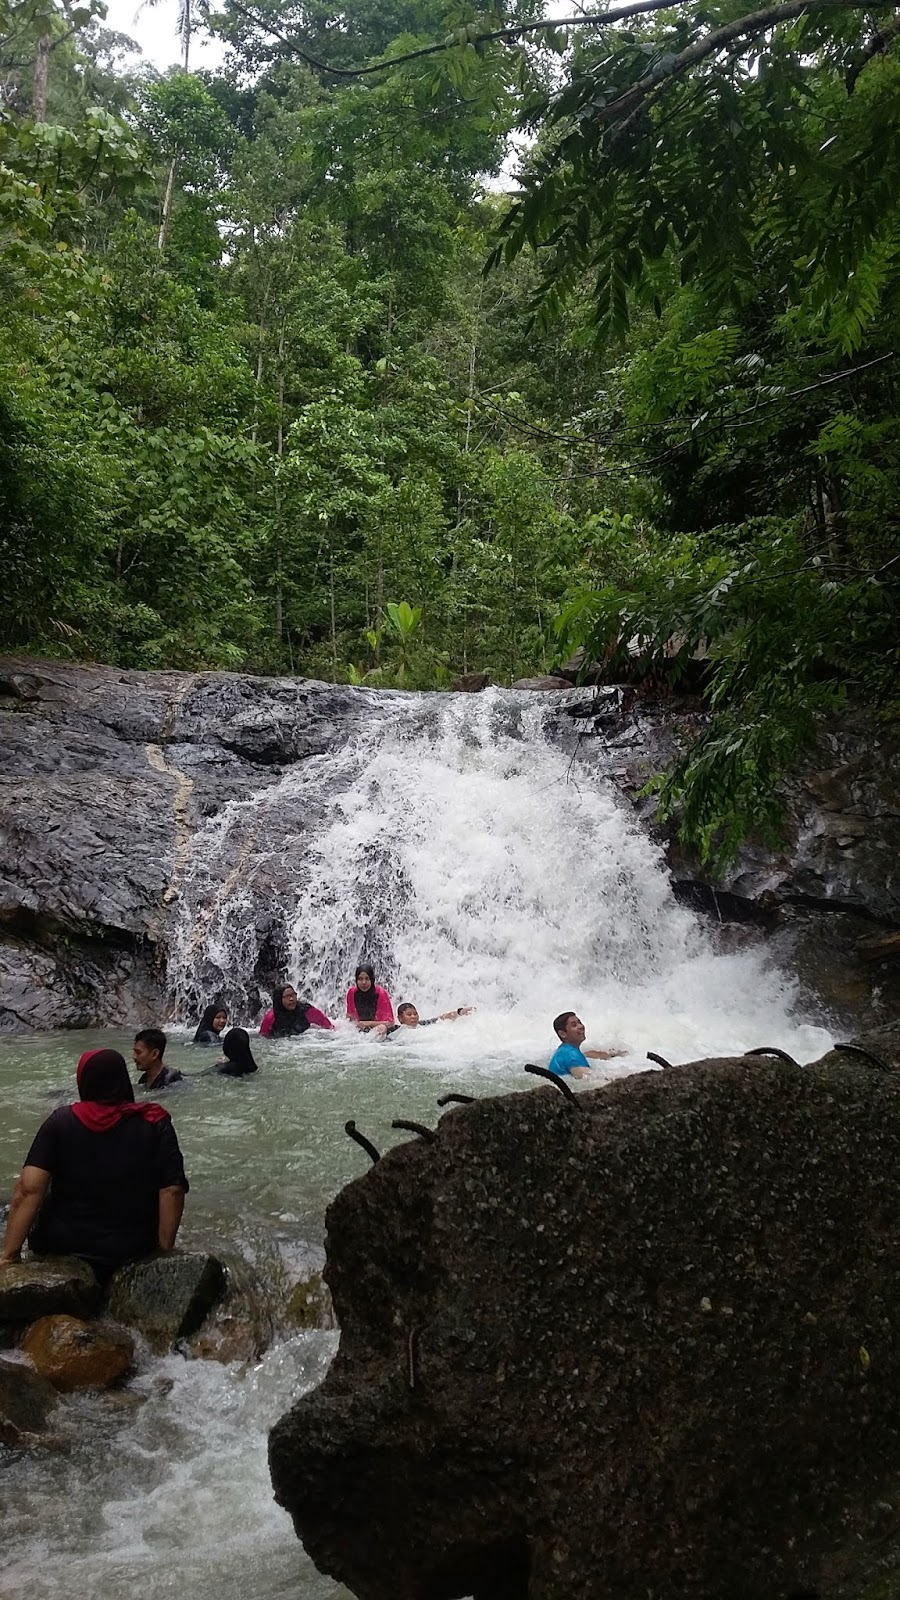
[(773, 1050), (456, 1100), (660, 1060), (353, 1133), (867, 1055), (553, 1077), (415, 1127)]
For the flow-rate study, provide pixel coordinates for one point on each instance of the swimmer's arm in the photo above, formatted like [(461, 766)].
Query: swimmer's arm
[(28, 1197), (602, 1055), (451, 1016), (579, 1072)]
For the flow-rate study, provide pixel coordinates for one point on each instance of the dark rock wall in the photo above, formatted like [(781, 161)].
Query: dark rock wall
[(104, 776), (643, 1346)]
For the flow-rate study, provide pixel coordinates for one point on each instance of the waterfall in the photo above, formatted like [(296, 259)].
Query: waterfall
[(464, 848)]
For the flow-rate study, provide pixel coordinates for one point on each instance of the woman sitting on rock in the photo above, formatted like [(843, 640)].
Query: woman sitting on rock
[(368, 1005), (289, 1015), (104, 1178), (212, 1022), (238, 1062)]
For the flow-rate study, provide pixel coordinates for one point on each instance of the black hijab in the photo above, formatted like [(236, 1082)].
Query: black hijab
[(205, 1034), (366, 1000), (288, 1022), (236, 1047)]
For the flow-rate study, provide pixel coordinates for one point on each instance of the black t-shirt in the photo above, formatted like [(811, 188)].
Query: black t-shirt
[(167, 1076), (103, 1200)]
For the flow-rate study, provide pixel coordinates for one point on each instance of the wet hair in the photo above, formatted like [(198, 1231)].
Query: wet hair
[(103, 1077), (153, 1038), (236, 1049), (559, 1022), (366, 999), (405, 1005)]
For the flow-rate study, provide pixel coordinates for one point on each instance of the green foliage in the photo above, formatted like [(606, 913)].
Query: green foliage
[(254, 382)]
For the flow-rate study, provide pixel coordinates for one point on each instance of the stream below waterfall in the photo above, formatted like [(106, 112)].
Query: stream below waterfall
[(477, 861)]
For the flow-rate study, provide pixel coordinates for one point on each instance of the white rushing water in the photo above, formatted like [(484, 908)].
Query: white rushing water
[(474, 862)]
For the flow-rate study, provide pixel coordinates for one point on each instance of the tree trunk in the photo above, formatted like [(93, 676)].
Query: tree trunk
[(279, 452), (41, 79), (166, 216)]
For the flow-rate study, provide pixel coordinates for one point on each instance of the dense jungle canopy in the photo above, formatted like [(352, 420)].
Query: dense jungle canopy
[(418, 339)]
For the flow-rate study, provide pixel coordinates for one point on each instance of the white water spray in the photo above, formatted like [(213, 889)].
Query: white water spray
[(474, 862)]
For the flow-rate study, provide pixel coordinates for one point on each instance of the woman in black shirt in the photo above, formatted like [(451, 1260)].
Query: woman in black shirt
[(104, 1178)]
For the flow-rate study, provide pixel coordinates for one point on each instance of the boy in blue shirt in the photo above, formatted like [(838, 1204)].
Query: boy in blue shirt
[(569, 1060)]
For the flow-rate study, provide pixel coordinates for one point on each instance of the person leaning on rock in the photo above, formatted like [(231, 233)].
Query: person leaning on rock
[(569, 1060), (104, 1178), (148, 1050)]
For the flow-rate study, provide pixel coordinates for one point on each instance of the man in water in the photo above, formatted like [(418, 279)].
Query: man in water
[(148, 1050), (569, 1060)]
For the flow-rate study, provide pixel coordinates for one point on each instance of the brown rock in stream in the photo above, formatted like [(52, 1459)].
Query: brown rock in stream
[(643, 1345), (72, 1354)]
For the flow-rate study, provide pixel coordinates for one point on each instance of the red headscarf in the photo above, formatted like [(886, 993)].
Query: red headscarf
[(106, 1093)]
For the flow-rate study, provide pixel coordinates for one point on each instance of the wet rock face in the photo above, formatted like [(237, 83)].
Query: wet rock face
[(105, 776), (72, 1354), (646, 1345), (45, 1285), (826, 898), (166, 1298)]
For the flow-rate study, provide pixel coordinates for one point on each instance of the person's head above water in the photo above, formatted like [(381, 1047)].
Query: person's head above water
[(148, 1049), (569, 1027), (102, 1076), (286, 997), (367, 975), (213, 1019), (289, 1012), (408, 1015), (236, 1049)]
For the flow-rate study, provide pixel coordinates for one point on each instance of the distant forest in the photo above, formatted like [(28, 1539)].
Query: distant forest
[(418, 340)]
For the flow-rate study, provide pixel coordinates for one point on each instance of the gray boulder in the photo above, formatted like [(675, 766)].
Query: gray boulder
[(166, 1298), (643, 1344), (26, 1402), (46, 1286)]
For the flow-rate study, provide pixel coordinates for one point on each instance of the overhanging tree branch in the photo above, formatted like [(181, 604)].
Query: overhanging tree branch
[(675, 66), (875, 46), (599, 19)]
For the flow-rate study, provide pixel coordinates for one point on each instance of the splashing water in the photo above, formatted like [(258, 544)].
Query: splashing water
[(475, 862)]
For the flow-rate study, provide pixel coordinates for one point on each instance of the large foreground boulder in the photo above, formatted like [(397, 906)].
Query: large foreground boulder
[(645, 1344), (168, 1297)]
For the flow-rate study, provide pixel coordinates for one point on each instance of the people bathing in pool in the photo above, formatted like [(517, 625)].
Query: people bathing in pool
[(569, 1060), (212, 1022), (147, 1051), (368, 1005), (408, 1017), (238, 1060), (289, 1015)]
